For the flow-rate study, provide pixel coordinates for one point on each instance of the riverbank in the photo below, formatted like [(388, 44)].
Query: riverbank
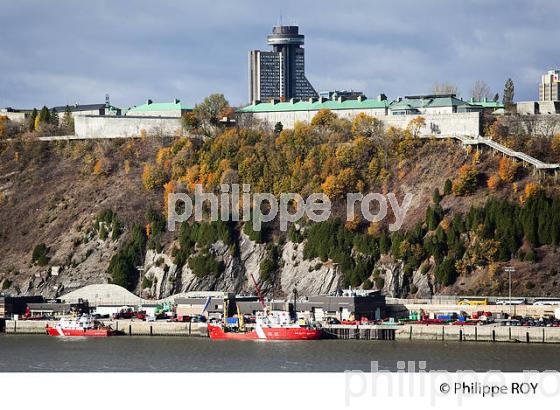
[(469, 333)]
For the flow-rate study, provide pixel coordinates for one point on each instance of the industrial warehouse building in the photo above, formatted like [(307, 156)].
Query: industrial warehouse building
[(348, 305)]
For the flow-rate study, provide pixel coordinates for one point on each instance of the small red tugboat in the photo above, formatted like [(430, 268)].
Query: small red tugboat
[(268, 326), (83, 326)]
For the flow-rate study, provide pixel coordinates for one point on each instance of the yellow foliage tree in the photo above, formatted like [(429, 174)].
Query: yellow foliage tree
[(493, 183), (416, 125), (168, 188), (531, 188), (152, 177), (507, 169), (374, 229), (101, 166), (467, 180), (3, 125), (353, 224), (324, 118), (366, 125), (331, 187)]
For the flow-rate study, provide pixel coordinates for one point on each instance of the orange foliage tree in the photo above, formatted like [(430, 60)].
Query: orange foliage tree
[(507, 169), (152, 177), (493, 183)]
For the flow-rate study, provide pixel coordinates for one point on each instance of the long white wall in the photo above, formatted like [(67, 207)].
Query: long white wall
[(439, 123), (125, 127)]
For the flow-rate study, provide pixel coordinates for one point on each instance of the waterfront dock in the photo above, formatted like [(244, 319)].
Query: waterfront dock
[(476, 333), (125, 327), (468, 333)]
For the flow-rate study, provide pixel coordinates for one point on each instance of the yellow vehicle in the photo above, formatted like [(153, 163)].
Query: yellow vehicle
[(473, 302)]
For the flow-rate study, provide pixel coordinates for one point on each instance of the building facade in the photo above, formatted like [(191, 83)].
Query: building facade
[(443, 115), (280, 73), (549, 88), (174, 109)]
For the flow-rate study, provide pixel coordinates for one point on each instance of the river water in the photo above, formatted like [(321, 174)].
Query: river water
[(38, 353)]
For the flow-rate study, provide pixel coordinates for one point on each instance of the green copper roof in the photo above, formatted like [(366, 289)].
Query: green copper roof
[(408, 103), (316, 105), (486, 103), (171, 106)]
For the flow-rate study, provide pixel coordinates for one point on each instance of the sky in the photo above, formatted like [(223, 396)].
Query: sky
[(65, 52)]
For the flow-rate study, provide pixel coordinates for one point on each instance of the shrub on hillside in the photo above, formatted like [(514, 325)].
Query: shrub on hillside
[(467, 181), (39, 256), (205, 264)]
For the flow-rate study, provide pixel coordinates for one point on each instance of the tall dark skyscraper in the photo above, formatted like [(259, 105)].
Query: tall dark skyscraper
[(280, 73)]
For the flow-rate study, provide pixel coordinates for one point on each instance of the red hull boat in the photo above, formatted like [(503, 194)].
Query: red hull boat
[(53, 331), (84, 326), (268, 326), (265, 333)]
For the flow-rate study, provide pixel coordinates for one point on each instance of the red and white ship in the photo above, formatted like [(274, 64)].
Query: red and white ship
[(83, 326), (275, 325)]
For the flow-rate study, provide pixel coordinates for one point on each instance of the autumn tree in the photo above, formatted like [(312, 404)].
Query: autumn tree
[(210, 111), (190, 121), (507, 169), (493, 183), (416, 125), (367, 126), (324, 119), (43, 119), (4, 122), (168, 188), (467, 181), (152, 177)]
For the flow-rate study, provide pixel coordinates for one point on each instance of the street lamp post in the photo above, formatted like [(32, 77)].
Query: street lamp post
[(510, 270)]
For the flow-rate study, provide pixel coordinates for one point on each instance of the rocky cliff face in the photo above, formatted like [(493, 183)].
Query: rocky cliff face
[(398, 285), (307, 276)]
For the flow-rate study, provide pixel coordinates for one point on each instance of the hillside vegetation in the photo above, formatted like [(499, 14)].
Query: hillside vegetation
[(95, 208)]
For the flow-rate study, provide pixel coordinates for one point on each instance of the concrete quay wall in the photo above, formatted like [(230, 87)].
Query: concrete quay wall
[(486, 333), (137, 328), (127, 327)]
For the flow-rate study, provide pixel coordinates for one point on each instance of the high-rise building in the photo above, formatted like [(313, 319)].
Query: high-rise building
[(549, 88), (280, 73)]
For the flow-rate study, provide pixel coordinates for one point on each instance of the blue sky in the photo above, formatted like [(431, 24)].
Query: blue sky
[(63, 52)]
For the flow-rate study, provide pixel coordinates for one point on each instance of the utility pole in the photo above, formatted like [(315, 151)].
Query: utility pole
[(510, 270), (141, 271)]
